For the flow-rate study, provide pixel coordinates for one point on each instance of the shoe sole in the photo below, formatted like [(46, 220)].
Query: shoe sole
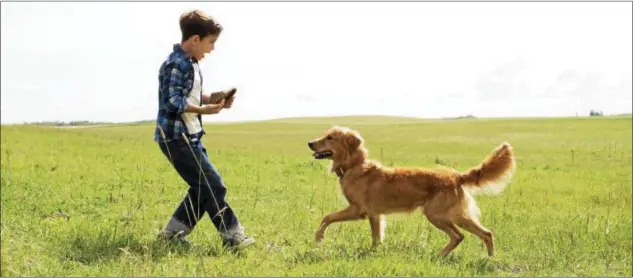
[(173, 240), (246, 243)]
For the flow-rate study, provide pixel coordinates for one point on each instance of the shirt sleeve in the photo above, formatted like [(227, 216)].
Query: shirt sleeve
[(176, 99)]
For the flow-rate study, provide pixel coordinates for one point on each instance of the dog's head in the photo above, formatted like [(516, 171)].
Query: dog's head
[(338, 143)]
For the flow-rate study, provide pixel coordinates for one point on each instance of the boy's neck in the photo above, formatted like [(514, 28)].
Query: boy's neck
[(186, 46)]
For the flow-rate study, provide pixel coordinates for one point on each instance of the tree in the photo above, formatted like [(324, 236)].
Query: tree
[(593, 113)]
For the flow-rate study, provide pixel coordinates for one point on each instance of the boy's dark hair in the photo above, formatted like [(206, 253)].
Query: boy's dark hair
[(196, 22)]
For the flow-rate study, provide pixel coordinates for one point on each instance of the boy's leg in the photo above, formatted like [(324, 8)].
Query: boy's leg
[(222, 215), (190, 210), (206, 192)]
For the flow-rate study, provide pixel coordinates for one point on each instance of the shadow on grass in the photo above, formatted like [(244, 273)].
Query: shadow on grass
[(475, 266), (318, 255), (93, 249), (483, 266)]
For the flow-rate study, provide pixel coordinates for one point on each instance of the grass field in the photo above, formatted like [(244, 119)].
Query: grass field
[(89, 201)]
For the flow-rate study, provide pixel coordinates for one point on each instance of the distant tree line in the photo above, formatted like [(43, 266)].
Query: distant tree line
[(469, 116), (82, 123), (71, 123), (593, 113)]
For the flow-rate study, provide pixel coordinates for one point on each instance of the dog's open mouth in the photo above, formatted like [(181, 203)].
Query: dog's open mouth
[(322, 155)]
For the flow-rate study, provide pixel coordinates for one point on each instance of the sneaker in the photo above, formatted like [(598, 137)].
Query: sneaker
[(238, 242)]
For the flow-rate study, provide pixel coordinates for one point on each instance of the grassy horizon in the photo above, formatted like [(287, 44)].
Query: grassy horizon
[(89, 201), (343, 119)]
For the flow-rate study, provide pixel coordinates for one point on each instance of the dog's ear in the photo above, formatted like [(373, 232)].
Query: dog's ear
[(353, 140)]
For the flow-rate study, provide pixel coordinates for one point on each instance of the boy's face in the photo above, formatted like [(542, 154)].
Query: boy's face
[(200, 47)]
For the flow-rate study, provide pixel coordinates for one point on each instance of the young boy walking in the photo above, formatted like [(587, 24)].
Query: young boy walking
[(179, 133)]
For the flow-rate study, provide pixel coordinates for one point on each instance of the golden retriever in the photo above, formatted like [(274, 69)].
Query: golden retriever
[(444, 195)]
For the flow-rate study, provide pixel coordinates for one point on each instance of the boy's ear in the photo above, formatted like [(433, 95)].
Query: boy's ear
[(194, 38)]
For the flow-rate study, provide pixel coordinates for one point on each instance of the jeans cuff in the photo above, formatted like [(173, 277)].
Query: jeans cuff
[(176, 227)]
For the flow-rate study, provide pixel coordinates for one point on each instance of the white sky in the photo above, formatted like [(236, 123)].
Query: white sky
[(99, 61)]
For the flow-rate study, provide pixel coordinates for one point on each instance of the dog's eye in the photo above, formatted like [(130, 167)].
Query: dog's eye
[(329, 137)]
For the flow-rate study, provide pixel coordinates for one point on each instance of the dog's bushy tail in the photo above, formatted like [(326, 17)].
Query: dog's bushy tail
[(493, 174)]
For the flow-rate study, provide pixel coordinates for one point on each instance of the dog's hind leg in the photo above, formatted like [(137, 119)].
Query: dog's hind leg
[(378, 224), (468, 220), (449, 228), (472, 225)]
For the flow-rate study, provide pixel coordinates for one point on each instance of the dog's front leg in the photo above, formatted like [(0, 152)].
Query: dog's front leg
[(347, 214), (377, 230)]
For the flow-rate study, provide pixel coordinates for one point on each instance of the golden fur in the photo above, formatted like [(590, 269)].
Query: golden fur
[(444, 195)]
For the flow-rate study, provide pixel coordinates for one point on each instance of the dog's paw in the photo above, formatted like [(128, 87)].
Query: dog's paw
[(318, 237), (375, 245)]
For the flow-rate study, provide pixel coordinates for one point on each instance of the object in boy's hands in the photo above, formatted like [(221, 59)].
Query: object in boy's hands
[(216, 97)]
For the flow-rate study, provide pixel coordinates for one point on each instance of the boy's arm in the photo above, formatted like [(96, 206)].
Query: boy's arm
[(206, 99), (175, 101), (205, 108)]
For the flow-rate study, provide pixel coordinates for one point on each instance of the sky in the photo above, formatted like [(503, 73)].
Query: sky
[(99, 61)]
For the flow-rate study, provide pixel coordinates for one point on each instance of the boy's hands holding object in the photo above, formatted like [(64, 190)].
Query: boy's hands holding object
[(213, 108), (227, 95), (230, 96)]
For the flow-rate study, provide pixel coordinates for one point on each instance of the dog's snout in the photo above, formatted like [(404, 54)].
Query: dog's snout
[(310, 144)]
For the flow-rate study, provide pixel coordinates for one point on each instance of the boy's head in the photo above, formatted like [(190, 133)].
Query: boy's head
[(199, 33)]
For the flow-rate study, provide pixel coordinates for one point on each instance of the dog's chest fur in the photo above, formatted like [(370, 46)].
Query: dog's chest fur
[(351, 192), (354, 186)]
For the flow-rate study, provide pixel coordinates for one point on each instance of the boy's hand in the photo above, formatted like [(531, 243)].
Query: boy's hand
[(213, 108)]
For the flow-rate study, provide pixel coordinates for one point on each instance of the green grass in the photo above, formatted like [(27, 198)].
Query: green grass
[(89, 201)]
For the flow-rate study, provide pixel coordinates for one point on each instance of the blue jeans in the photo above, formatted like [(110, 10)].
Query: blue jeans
[(207, 191)]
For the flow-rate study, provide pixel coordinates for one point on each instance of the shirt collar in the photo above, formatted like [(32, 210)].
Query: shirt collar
[(177, 48)]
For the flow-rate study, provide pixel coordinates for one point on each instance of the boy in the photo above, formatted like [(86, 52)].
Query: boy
[(179, 130)]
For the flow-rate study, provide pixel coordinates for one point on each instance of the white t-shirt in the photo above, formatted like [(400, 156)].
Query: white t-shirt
[(191, 119)]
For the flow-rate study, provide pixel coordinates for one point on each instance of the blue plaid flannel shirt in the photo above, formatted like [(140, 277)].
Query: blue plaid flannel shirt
[(175, 79)]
